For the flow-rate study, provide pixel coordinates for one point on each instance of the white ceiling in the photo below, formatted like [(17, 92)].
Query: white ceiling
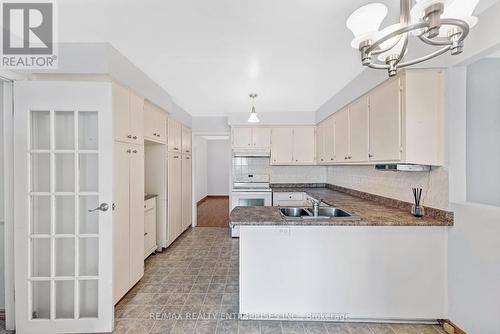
[(210, 54)]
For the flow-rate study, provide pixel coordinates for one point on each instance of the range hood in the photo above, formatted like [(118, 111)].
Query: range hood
[(258, 153), (403, 168)]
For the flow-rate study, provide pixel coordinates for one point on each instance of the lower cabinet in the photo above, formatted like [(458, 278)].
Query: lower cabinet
[(149, 226), (128, 217), (289, 199)]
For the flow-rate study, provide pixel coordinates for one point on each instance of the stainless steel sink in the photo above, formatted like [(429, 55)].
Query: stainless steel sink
[(333, 212), (294, 212), (306, 213)]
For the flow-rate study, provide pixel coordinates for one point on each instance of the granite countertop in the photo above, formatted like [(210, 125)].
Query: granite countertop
[(366, 212), (149, 196)]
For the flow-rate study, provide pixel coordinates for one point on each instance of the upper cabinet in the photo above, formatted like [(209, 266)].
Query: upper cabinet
[(128, 115), (174, 135), (293, 146), (186, 140), (155, 123), (399, 121), (251, 138)]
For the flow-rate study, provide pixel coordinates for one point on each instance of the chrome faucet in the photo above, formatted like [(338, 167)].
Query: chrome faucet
[(315, 208)]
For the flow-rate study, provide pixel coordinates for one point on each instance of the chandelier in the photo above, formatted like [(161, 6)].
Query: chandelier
[(443, 24)]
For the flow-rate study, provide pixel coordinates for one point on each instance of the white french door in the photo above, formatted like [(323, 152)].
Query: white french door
[(63, 199)]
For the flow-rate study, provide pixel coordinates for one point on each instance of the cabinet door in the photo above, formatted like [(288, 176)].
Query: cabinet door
[(281, 146), (121, 113), (136, 214), (304, 148), (174, 196), (385, 122), (359, 130), (155, 123), (174, 135), (242, 137), (321, 143), (186, 192), (121, 220), (261, 138), (186, 140), (341, 141), (137, 119), (330, 140), (149, 230)]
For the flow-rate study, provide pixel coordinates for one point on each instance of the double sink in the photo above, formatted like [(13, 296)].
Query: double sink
[(323, 213)]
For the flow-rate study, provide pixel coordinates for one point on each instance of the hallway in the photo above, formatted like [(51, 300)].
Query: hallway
[(192, 287), (213, 211)]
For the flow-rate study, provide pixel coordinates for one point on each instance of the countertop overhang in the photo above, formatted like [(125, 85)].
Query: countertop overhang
[(366, 212)]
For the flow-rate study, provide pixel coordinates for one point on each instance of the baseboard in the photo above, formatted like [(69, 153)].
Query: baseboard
[(450, 327), (204, 199)]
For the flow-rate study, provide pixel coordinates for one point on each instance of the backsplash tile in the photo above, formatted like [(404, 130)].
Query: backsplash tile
[(395, 185), (279, 174)]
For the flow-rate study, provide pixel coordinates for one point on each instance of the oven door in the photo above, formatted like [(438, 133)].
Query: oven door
[(248, 198)]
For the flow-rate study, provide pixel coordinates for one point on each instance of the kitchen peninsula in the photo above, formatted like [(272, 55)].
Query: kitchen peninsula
[(380, 264)]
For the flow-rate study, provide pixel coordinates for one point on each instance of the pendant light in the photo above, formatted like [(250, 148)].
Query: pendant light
[(253, 115)]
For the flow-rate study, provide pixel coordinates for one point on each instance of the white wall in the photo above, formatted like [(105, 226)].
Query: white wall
[(2, 216), (218, 162), (200, 167), (274, 118), (215, 124), (483, 129)]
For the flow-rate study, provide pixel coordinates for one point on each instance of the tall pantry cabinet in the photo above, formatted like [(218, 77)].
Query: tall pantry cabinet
[(128, 190), (179, 179)]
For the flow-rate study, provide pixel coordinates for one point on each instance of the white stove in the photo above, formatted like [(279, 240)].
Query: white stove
[(250, 190)]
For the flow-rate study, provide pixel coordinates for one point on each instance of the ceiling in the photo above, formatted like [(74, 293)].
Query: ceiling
[(210, 54)]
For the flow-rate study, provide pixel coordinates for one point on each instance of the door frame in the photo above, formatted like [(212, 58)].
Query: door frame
[(194, 135)]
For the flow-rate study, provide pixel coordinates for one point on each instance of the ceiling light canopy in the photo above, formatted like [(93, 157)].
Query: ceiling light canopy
[(441, 23), (253, 115)]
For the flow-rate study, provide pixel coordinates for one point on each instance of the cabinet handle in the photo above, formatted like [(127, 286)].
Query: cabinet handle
[(370, 155), (134, 137), (187, 158), (129, 136), (129, 150), (144, 206), (145, 233), (134, 151), (345, 158), (154, 134), (187, 151)]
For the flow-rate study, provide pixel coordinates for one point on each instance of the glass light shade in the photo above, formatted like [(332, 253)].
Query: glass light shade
[(391, 42), (365, 21), (396, 50), (253, 116)]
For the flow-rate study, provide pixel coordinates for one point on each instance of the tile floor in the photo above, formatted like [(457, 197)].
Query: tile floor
[(198, 275)]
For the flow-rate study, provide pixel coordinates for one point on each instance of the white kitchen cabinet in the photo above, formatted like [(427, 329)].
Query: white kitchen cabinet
[(282, 146), (304, 148), (174, 196), (149, 226), (341, 132), (155, 123), (241, 137), (359, 130), (174, 135), (261, 138), (186, 139), (251, 137), (399, 121), (321, 132), (293, 145), (385, 122), (289, 199), (128, 115), (187, 199), (128, 217)]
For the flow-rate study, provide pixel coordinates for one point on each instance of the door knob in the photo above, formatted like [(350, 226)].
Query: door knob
[(103, 207)]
